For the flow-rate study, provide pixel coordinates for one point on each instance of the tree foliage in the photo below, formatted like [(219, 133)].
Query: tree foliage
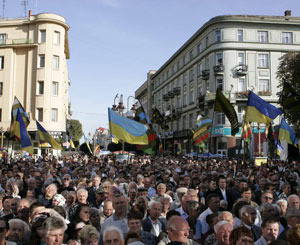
[(288, 75), (75, 129)]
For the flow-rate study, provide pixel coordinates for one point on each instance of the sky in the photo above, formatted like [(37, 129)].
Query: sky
[(114, 43)]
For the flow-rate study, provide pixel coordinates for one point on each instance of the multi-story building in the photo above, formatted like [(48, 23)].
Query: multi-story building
[(234, 52), (33, 68)]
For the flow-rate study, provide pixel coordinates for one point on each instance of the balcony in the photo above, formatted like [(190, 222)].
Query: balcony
[(165, 97), (265, 93), (176, 90), (242, 70), (241, 95), (219, 69), (205, 74), (171, 94)]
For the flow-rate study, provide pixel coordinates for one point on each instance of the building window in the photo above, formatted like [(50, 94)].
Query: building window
[(218, 36), (199, 69), (56, 38), (200, 89), (199, 48), (263, 60), (184, 99), (264, 85), (41, 60), (2, 39), (54, 88), (184, 122), (191, 74), (40, 87), (219, 58), (55, 62), (1, 62), (191, 121), (206, 42), (241, 59), (0, 114), (191, 54), (184, 59), (39, 115), (220, 118), (54, 115), (287, 37), (1, 88), (263, 36), (240, 35), (192, 96), (241, 113), (185, 78), (241, 85), (42, 36), (220, 83)]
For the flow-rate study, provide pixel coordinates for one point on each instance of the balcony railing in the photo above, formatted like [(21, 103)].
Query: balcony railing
[(242, 70), (218, 69), (171, 94), (16, 41), (205, 74), (265, 93), (176, 90), (165, 97)]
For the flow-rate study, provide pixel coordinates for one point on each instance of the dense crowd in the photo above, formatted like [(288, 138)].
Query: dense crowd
[(148, 200)]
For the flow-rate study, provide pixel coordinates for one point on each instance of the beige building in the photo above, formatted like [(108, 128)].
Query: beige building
[(33, 67), (234, 52)]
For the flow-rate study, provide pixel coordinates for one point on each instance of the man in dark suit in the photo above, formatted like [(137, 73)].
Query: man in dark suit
[(92, 190), (153, 223), (292, 216), (224, 193), (248, 216)]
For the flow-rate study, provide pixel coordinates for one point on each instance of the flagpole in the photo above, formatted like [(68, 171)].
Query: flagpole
[(259, 150)]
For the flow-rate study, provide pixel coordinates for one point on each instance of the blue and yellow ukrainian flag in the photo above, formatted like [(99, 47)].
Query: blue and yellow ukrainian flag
[(126, 129), (287, 134), (87, 144), (259, 110), (46, 137), (71, 142), (22, 134)]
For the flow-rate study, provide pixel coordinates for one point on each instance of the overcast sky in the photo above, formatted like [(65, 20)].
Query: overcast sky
[(114, 43)]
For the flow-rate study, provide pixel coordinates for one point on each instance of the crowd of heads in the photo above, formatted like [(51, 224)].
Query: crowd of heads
[(78, 199)]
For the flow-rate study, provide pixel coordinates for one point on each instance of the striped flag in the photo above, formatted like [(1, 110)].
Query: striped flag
[(286, 133), (46, 137), (71, 142), (202, 131), (246, 132), (17, 106), (22, 134), (87, 144), (141, 117)]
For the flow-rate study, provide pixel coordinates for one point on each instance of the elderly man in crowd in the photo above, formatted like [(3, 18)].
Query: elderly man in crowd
[(222, 232), (53, 230)]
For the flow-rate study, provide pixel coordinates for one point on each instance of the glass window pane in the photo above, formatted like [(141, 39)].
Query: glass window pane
[(42, 36)]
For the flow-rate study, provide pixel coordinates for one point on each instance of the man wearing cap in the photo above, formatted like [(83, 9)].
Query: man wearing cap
[(293, 218)]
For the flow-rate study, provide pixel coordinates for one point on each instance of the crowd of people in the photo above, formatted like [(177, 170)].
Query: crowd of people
[(148, 200)]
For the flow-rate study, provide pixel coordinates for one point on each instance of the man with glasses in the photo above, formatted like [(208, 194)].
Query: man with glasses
[(267, 197), (66, 180)]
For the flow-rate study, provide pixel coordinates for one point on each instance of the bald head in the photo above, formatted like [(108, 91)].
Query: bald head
[(178, 229)]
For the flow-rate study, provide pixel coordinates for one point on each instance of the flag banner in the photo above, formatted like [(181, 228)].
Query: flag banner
[(223, 105), (126, 129), (15, 107), (114, 139), (279, 147), (260, 111), (22, 134), (291, 99), (246, 132), (46, 137), (202, 132), (286, 133), (87, 144), (158, 119), (141, 117), (71, 142), (179, 148)]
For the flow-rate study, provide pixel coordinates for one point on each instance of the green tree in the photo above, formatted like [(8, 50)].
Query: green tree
[(75, 130), (288, 75)]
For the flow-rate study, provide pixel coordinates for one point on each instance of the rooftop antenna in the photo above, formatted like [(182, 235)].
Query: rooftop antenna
[(25, 3), (3, 8)]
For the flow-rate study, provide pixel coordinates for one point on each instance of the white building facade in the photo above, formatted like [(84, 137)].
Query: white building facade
[(33, 55), (234, 52)]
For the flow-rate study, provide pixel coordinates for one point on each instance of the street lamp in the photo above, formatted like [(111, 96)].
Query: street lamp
[(114, 107)]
